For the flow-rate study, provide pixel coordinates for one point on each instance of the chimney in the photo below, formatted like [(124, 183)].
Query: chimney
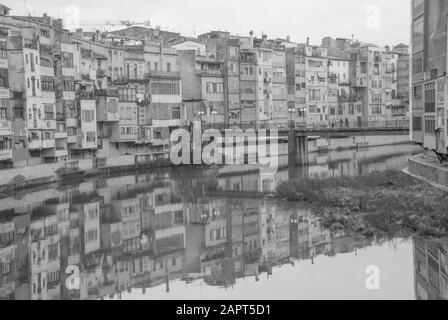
[(251, 38), (78, 32), (308, 41)]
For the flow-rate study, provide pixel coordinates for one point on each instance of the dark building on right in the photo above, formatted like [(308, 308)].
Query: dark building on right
[(429, 75)]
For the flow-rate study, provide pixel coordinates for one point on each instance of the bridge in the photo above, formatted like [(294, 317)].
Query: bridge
[(299, 133)]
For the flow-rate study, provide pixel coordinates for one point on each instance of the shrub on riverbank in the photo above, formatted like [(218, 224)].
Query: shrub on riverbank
[(388, 203)]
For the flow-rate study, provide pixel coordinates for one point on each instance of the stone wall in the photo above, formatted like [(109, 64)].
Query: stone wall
[(428, 169)]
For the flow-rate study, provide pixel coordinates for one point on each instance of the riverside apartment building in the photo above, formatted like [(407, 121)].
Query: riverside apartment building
[(428, 81)]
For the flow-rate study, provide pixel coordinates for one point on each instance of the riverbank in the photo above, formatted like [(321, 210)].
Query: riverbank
[(381, 204), (21, 178)]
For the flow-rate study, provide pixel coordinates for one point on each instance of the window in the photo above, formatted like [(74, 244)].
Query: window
[(44, 33), (5, 143), (47, 83), (430, 125), (176, 114), (7, 268), (3, 114), (168, 67), (314, 94), (67, 60), (49, 111), (88, 116), (127, 94), (19, 113), (91, 136), (213, 87), (69, 84), (430, 97), (53, 251), (165, 88), (417, 123), (92, 235)]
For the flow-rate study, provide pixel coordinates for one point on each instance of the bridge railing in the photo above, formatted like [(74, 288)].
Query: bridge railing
[(398, 124)]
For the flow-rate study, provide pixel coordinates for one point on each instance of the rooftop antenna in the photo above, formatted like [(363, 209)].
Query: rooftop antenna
[(194, 28)]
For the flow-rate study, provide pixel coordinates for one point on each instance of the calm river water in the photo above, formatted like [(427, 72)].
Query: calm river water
[(159, 235)]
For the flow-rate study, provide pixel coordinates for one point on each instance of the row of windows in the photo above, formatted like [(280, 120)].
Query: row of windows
[(165, 88), (215, 87)]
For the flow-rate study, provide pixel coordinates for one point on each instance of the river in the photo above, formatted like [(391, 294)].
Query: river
[(162, 235)]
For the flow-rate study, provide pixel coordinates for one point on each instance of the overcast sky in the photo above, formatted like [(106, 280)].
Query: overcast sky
[(378, 21)]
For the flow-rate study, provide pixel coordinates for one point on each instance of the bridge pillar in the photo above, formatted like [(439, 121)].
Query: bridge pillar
[(297, 149)]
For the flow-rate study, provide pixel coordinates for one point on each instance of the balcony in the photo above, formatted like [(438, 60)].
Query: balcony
[(71, 122), (101, 73), (48, 144), (49, 124), (213, 73), (5, 128), (107, 93), (72, 139), (56, 153), (5, 154), (60, 135), (35, 144), (166, 123)]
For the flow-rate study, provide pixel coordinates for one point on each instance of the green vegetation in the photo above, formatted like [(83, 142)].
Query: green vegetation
[(384, 204)]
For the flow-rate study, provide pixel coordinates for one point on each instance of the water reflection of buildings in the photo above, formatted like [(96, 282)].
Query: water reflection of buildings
[(431, 269), (144, 231)]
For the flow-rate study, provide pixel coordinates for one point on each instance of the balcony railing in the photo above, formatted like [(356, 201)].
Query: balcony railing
[(107, 93), (163, 74)]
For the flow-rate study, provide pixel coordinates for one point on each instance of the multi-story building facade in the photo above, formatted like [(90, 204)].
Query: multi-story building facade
[(6, 112), (316, 62), (296, 82), (429, 66)]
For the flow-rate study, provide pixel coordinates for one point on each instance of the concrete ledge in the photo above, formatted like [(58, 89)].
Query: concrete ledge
[(428, 169)]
